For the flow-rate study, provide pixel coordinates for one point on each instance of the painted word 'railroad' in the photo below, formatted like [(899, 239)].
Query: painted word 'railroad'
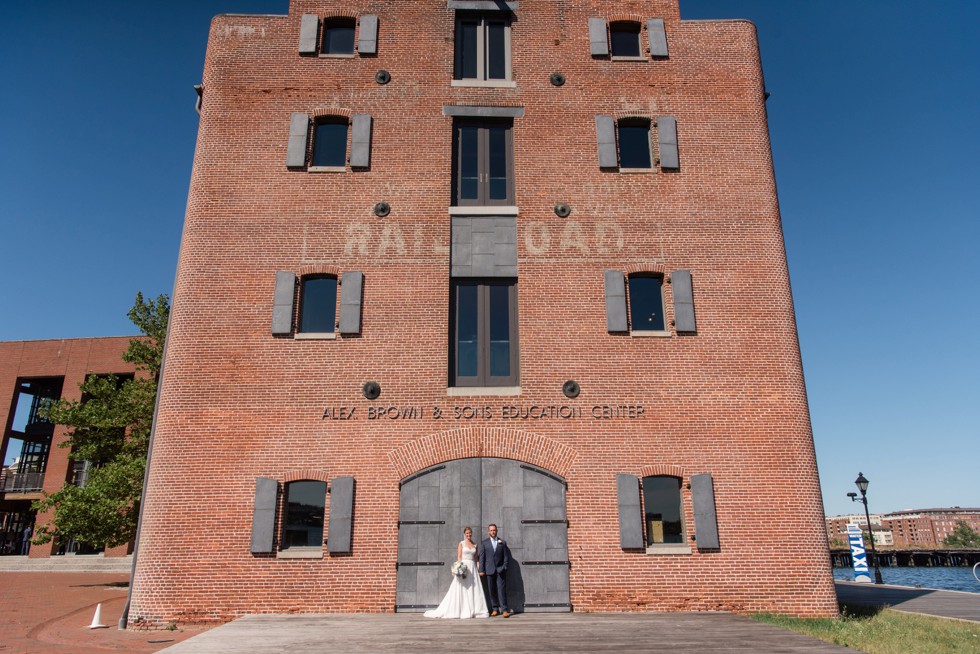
[(487, 412)]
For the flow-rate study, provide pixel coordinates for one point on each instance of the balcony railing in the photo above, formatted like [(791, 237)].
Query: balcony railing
[(21, 482)]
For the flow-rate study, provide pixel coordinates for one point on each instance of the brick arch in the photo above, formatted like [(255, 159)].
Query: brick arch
[(662, 469), (635, 114), (341, 13), (472, 442), (319, 269), (323, 112), (655, 268), (305, 475)]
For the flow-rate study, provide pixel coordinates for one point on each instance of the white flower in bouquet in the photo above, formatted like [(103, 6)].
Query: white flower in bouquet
[(459, 569)]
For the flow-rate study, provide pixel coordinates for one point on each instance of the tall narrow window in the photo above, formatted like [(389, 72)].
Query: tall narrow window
[(634, 144), (484, 163), (330, 143), (662, 508), (303, 519), (624, 39), (318, 305), (484, 339), (646, 303), (338, 36), (482, 47)]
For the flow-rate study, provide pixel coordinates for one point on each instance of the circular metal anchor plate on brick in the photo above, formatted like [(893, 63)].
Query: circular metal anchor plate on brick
[(382, 77), (382, 209), (571, 389), (557, 79), (371, 390), (562, 210)]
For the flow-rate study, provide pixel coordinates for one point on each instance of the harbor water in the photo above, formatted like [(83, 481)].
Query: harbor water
[(960, 578)]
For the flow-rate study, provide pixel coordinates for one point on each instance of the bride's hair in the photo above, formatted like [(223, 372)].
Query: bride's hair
[(467, 529)]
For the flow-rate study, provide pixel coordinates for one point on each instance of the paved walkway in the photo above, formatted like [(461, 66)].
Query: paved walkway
[(941, 603), (48, 612), (528, 632)]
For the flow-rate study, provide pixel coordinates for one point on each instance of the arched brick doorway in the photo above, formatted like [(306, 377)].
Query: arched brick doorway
[(527, 503)]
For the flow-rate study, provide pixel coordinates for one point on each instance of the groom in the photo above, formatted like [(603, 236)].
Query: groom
[(494, 559)]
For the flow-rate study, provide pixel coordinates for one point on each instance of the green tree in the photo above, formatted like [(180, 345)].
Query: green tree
[(109, 427), (963, 536)]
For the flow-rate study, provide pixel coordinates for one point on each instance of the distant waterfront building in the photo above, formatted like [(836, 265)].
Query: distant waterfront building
[(837, 529), (928, 527)]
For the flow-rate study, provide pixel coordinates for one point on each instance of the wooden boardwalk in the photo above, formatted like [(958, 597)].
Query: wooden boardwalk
[(529, 632), (941, 603)]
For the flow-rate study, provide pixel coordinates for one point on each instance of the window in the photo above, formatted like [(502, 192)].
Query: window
[(483, 320), (634, 144), (303, 520), (330, 143), (624, 39), (338, 36), (484, 163), (662, 508), (482, 47), (646, 299), (318, 308)]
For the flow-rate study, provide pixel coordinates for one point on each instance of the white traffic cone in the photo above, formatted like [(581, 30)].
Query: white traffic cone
[(97, 619)]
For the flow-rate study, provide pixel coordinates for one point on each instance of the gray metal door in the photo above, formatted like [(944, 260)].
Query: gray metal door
[(527, 505)]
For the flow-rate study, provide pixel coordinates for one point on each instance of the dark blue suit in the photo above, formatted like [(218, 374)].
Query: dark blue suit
[(494, 563)]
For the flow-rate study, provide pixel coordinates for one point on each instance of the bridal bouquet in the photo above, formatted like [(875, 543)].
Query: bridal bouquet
[(459, 569)]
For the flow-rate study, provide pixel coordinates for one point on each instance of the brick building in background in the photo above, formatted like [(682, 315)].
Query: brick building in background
[(31, 374), (522, 263), (928, 527)]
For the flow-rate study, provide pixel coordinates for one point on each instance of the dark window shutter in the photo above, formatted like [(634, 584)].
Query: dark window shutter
[(605, 134), (630, 520), (341, 515), (615, 301), (667, 138), (683, 292), (308, 26), (360, 141), (264, 515), (299, 127), (350, 302), (367, 42), (282, 303), (705, 519), (598, 37), (657, 36)]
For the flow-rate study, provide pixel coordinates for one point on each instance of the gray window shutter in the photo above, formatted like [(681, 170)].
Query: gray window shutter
[(605, 134), (341, 515), (367, 42), (350, 302), (657, 36), (360, 141), (598, 37), (264, 515), (630, 520), (667, 138), (282, 303), (705, 519), (615, 301), (299, 126), (683, 292), (308, 26)]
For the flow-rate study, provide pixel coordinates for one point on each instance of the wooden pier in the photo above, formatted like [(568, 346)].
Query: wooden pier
[(841, 558)]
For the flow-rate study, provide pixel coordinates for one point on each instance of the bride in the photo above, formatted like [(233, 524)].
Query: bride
[(464, 599)]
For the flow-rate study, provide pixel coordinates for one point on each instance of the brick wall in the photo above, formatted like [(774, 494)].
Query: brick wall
[(238, 403), (73, 360)]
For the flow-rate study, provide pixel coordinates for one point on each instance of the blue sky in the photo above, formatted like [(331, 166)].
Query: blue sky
[(875, 122)]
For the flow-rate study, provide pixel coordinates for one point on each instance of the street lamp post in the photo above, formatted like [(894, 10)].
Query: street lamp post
[(862, 485)]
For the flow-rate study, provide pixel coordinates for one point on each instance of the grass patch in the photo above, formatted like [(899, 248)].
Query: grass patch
[(878, 631)]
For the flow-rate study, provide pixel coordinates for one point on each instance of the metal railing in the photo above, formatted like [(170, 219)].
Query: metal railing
[(21, 482)]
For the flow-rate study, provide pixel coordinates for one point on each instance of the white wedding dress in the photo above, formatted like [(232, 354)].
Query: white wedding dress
[(464, 599)]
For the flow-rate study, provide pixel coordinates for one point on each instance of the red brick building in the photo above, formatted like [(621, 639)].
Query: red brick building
[(31, 374), (448, 263), (928, 527)]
